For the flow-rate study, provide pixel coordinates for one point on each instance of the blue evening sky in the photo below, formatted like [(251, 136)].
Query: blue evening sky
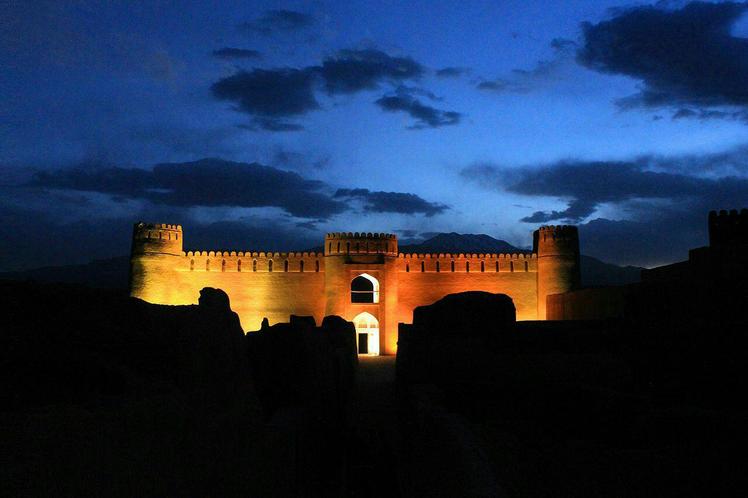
[(536, 121)]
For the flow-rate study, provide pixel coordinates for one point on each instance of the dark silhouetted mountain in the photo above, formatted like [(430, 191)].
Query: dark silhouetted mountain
[(112, 273), (461, 243), (597, 273)]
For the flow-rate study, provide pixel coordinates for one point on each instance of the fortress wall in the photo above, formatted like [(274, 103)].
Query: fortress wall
[(253, 294), (418, 288)]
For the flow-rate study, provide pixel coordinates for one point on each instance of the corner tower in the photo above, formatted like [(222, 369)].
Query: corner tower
[(557, 248), (156, 250), (349, 256)]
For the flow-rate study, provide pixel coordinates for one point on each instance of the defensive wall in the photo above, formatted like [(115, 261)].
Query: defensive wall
[(713, 270), (278, 284)]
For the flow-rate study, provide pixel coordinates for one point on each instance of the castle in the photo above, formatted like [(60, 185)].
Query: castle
[(360, 276)]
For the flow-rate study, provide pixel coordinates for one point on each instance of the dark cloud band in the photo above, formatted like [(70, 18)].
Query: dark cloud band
[(392, 202), (686, 56), (269, 94), (215, 183)]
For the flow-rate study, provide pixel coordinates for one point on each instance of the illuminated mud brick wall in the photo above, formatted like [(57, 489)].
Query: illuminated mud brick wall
[(276, 285), (425, 278)]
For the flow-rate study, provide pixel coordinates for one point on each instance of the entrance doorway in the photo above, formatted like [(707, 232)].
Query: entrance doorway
[(367, 333)]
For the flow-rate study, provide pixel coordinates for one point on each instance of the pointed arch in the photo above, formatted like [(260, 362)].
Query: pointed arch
[(364, 289)]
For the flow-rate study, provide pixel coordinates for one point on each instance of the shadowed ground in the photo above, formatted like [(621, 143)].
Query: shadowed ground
[(374, 462)]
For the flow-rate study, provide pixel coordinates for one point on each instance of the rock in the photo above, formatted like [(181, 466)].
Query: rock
[(214, 299), (466, 314)]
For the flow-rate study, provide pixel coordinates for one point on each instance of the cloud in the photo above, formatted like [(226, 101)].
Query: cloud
[(271, 124), (544, 72), (307, 160), (684, 57), (214, 183), (279, 21), (236, 53), (451, 72), (576, 211), (207, 182), (269, 93), (721, 180), (662, 201), (391, 202), (351, 71), (425, 116), (706, 114)]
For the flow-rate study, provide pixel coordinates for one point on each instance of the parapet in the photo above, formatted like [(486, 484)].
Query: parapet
[(157, 238), (469, 263), (728, 227), (555, 239), (341, 243)]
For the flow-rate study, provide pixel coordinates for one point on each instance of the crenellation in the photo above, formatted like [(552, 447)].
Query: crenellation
[(728, 227)]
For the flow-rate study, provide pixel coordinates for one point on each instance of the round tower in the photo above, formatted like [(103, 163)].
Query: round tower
[(557, 248), (372, 256), (156, 251)]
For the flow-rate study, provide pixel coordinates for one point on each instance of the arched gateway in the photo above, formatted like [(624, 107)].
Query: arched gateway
[(367, 333)]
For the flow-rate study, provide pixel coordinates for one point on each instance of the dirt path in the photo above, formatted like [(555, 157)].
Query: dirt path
[(373, 455)]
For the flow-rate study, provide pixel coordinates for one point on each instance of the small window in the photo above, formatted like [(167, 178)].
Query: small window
[(254, 265), (316, 266), (511, 266), (301, 266), (452, 267), (270, 265), (338, 246), (192, 265), (207, 265), (407, 268), (482, 266), (329, 247), (239, 265), (423, 266), (527, 266), (497, 267), (437, 267), (223, 265), (285, 266), (176, 236), (347, 247), (467, 266)]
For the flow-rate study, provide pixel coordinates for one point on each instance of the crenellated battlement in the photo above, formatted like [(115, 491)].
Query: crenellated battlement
[(252, 261), (728, 227), (345, 243), (361, 235), (467, 262), (156, 238), (252, 254), (467, 256), (558, 231)]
